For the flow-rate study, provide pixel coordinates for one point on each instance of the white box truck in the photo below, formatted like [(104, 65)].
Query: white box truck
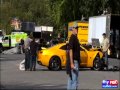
[(109, 24)]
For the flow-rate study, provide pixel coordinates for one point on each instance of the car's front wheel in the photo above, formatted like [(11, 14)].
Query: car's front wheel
[(54, 64), (97, 63)]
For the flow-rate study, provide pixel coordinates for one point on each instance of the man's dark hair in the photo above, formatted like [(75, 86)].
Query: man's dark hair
[(76, 27), (104, 34)]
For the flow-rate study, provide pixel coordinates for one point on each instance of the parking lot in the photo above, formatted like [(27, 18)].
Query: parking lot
[(42, 78)]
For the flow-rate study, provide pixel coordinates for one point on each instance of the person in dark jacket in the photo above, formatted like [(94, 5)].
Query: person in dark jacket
[(74, 56), (33, 52), (22, 46)]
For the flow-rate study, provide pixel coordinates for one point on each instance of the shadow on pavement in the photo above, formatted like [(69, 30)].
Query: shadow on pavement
[(9, 60), (83, 69), (24, 86), (11, 57)]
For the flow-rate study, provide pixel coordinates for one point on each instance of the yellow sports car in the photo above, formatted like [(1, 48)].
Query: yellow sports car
[(55, 57)]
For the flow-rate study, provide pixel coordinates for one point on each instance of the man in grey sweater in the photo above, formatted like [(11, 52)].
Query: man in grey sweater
[(27, 52)]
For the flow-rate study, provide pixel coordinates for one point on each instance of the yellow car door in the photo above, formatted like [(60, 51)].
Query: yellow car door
[(83, 57), (63, 55)]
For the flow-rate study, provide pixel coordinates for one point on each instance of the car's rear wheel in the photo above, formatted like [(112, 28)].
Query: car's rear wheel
[(97, 63), (55, 63)]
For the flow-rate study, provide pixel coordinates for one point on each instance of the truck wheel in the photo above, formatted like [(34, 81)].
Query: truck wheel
[(118, 54), (0, 50), (54, 64)]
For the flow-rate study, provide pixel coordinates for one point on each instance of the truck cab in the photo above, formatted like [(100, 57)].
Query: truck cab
[(13, 39)]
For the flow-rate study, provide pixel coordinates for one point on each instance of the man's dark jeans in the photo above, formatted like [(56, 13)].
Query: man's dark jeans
[(33, 62), (27, 59)]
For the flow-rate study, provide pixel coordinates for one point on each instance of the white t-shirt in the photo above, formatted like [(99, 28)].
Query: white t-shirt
[(105, 44)]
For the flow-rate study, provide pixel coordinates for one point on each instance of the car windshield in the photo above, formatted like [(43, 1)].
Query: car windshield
[(64, 47), (55, 42), (53, 46), (5, 38), (87, 47)]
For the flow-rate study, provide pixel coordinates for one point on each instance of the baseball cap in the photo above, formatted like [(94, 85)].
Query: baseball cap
[(75, 25)]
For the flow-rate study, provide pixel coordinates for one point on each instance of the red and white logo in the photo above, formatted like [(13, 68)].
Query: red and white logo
[(113, 82)]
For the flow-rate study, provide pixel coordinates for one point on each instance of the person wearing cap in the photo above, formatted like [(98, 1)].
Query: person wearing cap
[(74, 54), (105, 47)]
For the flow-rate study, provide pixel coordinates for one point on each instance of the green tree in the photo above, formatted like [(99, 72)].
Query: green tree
[(53, 12), (6, 10), (37, 11)]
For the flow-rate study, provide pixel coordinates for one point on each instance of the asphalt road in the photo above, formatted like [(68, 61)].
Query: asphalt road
[(12, 78)]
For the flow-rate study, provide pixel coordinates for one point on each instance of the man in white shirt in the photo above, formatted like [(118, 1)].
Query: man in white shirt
[(105, 47)]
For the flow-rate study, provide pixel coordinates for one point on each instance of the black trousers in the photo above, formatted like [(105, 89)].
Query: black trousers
[(33, 62), (27, 59)]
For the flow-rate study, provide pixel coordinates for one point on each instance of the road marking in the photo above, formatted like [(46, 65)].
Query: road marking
[(48, 85), (2, 58)]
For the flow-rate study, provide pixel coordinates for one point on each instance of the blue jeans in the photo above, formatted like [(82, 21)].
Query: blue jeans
[(73, 83), (106, 58)]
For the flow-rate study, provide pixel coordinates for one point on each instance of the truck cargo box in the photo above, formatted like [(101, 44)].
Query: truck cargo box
[(109, 24)]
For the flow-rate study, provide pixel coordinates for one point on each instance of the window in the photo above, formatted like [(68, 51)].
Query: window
[(55, 42), (5, 38), (64, 47), (88, 47)]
